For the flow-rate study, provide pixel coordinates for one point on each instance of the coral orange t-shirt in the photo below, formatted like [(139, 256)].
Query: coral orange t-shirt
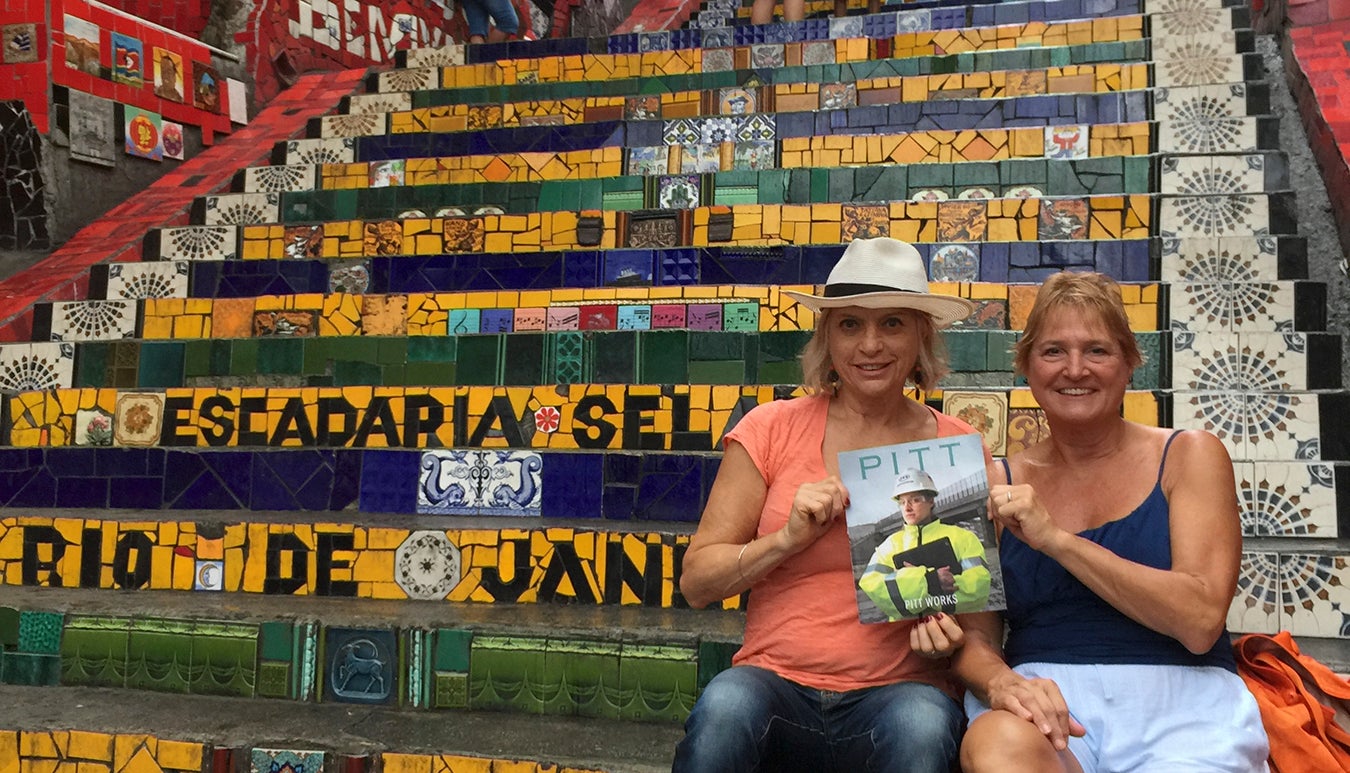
[(802, 618)]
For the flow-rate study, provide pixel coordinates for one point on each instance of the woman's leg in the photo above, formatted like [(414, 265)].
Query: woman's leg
[(476, 17), (731, 724), (1006, 743), (909, 727), (505, 22)]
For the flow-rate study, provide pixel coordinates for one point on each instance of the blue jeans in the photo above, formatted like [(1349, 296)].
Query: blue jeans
[(476, 13), (750, 719)]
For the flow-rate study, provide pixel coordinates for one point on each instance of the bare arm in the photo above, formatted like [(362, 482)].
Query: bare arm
[(724, 557), (1190, 601)]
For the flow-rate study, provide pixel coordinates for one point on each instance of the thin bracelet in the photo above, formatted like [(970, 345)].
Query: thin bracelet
[(739, 555)]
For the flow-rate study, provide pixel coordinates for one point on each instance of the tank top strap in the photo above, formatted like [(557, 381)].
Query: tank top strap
[(1166, 447), (1007, 471)]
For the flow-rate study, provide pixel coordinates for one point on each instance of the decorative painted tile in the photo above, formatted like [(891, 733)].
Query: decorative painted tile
[(642, 108), (243, 209), (285, 323), (1212, 42), (1199, 63), (649, 160), (1258, 426), (280, 179), (209, 575), (362, 665), (735, 100), (1217, 176), (718, 129), (929, 194), (19, 43), (678, 192), (480, 483), (159, 279), (1232, 306), (837, 96), (93, 427), (199, 243), (409, 79), (704, 316), (40, 632), (384, 174), (1314, 600), (718, 59), (563, 318), (464, 322), (93, 320), (1287, 499), (966, 221), (1023, 192), (681, 131), (285, 761), (987, 412), (1066, 142), (846, 27), (463, 234), (445, 56), (1206, 124), (1063, 219), (635, 317), (653, 232), (137, 418), (1026, 428), (955, 263), (760, 127), (529, 321), (755, 155), (628, 268), (36, 367), (1209, 103), (700, 159), (767, 56), (742, 317), (342, 125), (1256, 605), (335, 150), (817, 52), (970, 194), (427, 565), (351, 277), (865, 221), (668, 316)]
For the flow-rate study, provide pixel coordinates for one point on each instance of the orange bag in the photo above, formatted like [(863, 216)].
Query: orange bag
[(1304, 706)]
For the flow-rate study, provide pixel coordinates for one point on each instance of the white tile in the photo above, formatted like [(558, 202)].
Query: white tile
[(362, 125), (198, 242), (243, 209), (281, 179), (156, 279), (1219, 259), (1190, 216), (1312, 594), (1256, 604), (383, 102), (94, 320), (445, 56), (32, 367), (337, 150), (1200, 64), (409, 79), (1287, 499)]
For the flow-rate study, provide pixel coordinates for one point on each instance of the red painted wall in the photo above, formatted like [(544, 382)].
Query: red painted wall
[(186, 16)]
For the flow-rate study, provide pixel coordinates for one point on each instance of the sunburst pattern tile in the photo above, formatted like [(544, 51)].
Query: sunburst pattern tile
[(336, 150), (280, 179), (1213, 175), (346, 125), (1227, 259), (199, 242), (36, 367), (380, 102), (1258, 426), (1287, 499), (1256, 605), (1190, 216), (243, 209), (1232, 306), (445, 56), (1250, 362), (1314, 601), (409, 79), (93, 320), (1199, 63), (1169, 29), (1201, 102), (159, 279)]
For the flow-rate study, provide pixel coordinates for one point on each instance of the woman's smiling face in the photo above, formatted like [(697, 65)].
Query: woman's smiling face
[(873, 350)]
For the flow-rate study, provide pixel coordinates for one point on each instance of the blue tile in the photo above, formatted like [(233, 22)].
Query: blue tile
[(361, 666), (70, 462), (389, 481), (670, 489), (82, 492), (572, 485), (346, 489), (136, 493), (32, 488)]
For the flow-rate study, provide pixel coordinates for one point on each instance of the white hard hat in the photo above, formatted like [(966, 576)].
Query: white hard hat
[(911, 481)]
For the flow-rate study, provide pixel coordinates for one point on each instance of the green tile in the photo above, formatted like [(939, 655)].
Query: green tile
[(197, 358), (567, 352), (729, 372), (740, 317), (452, 691), (160, 661), (930, 176), (507, 673), (274, 680), (40, 632), (664, 357), (707, 345), (998, 352), (1137, 174), (732, 195), (92, 364), (431, 348), (429, 374), (32, 669), (476, 361), (523, 359), (392, 350), (779, 373), (967, 350), (161, 364), (977, 174), (94, 656), (452, 649), (318, 352), (347, 373), (281, 355), (277, 638), (614, 358), (223, 665), (661, 683), (243, 357), (9, 628), (714, 657), (222, 353), (588, 674)]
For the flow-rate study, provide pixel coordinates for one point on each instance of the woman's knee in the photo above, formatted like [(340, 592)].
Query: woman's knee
[(1000, 741)]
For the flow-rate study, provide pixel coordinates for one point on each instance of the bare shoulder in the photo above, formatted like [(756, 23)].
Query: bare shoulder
[(1196, 446)]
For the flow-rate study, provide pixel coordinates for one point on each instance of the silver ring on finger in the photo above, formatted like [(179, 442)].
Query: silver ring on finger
[(1009, 495)]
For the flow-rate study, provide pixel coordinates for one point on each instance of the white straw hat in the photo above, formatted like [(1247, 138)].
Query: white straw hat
[(884, 273)]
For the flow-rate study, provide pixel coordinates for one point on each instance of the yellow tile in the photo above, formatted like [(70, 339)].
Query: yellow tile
[(37, 744), (180, 755), (142, 761)]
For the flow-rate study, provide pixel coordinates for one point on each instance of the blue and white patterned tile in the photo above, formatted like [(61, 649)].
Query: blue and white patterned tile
[(427, 565), (1315, 600), (285, 761), (1199, 63), (243, 209), (1274, 361), (1212, 175), (351, 126), (1233, 306), (444, 56), (337, 150), (1180, 6), (156, 279), (1190, 216), (93, 320), (1219, 259), (846, 27), (1256, 604), (36, 367), (1202, 126), (681, 131), (914, 21), (281, 179), (385, 102), (409, 79), (1287, 499), (455, 482), (1200, 102)]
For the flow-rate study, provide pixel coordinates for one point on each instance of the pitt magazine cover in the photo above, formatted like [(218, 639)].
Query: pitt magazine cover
[(918, 534)]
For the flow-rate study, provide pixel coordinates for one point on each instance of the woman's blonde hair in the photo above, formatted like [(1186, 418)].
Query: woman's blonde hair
[(1092, 293), (818, 372)]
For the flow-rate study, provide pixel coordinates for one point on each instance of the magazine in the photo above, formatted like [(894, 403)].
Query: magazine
[(918, 534)]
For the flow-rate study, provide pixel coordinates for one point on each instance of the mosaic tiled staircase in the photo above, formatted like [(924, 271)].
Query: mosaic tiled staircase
[(470, 343)]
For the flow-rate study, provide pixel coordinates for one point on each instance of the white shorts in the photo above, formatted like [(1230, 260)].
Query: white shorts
[(1169, 719)]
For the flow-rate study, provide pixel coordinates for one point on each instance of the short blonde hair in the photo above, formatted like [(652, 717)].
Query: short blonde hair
[(1095, 294), (929, 368)]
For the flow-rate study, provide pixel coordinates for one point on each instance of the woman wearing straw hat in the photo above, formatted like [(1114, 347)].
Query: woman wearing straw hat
[(812, 688)]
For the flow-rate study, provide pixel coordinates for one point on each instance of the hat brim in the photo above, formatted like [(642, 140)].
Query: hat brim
[(944, 309)]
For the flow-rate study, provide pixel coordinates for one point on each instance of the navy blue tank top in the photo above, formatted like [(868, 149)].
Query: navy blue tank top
[(1054, 618)]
